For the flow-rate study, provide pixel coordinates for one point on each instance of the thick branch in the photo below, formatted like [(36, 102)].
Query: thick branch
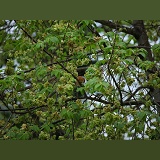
[(116, 26), (142, 38)]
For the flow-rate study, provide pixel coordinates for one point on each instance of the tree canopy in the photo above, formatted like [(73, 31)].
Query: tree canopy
[(79, 79)]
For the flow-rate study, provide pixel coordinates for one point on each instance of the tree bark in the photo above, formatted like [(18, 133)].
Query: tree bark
[(141, 36)]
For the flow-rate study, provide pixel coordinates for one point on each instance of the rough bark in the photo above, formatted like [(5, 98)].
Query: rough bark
[(141, 36)]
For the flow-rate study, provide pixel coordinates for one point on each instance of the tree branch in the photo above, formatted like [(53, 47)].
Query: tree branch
[(116, 26), (132, 95)]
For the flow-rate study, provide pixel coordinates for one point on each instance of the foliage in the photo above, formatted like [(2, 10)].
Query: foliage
[(42, 98)]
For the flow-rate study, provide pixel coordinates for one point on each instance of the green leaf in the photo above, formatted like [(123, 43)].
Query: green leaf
[(69, 114), (110, 34), (108, 49), (122, 45), (102, 41), (119, 125), (76, 117), (129, 61), (80, 89), (54, 39), (142, 54), (46, 127), (156, 47), (98, 86), (86, 22), (64, 113), (24, 136), (39, 45), (146, 65), (41, 72), (56, 72), (141, 115), (35, 128)]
